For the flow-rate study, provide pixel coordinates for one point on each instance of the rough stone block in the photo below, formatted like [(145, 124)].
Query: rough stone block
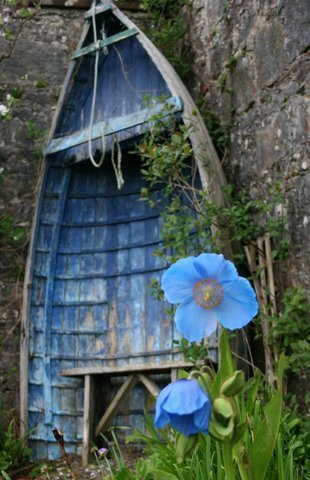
[(243, 83), (270, 55), (296, 18)]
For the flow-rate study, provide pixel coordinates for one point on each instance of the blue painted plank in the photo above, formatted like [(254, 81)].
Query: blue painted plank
[(127, 80), (85, 304), (115, 125), (49, 297), (100, 44)]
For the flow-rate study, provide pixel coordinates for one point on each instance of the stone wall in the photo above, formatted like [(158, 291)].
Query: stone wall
[(251, 66)]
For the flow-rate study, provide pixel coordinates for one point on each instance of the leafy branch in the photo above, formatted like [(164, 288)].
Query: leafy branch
[(21, 11)]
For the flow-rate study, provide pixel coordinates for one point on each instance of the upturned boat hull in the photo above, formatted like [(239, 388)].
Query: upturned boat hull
[(87, 300)]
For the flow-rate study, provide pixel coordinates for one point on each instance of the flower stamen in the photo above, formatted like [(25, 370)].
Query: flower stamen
[(208, 293)]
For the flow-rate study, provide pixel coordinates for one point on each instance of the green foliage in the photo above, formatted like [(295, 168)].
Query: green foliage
[(16, 92), (231, 63), (289, 460), (20, 11), (188, 213), (10, 234), (192, 351), (222, 82), (266, 433), (41, 83), (218, 129), (34, 133), (291, 329), (167, 29), (277, 445), (13, 450), (167, 161), (160, 462)]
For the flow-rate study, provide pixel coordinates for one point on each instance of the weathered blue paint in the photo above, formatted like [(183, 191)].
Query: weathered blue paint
[(90, 296), (92, 257), (128, 83), (104, 43), (116, 125)]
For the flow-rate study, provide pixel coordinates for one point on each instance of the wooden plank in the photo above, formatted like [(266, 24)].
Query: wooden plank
[(87, 417), (48, 306), (118, 370), (86, 4), (104, 43), (149, 384), (98, 10), (114, 407), (25, 323), (114, 125)]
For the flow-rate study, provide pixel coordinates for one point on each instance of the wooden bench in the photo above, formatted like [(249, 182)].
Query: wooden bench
[(132, 374)]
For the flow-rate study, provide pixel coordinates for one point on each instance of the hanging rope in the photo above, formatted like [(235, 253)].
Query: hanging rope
[(117, 166), (93, 104)]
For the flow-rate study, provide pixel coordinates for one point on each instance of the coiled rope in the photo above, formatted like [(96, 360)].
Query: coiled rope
[(117, 166)]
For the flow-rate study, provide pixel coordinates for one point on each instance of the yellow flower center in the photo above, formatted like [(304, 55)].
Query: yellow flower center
[(208, 293)]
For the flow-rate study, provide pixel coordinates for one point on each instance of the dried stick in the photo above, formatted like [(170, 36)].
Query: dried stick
[(61, 442)]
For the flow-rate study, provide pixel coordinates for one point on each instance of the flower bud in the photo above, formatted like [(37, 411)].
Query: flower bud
[(222, 420), (205, 381), (233, 385)]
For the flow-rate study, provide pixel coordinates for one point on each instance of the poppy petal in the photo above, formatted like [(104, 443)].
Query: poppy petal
[(195, 322), (178, 281), (239, 305), (185, 397)]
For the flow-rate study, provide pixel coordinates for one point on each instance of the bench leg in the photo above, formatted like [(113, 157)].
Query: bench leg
[(87, 417), (174, 374)]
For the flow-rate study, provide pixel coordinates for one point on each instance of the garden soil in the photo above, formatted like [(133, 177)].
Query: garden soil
[(58, 470)]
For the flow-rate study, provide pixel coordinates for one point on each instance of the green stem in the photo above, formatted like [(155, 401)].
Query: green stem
[(230, 472), (242, 471)]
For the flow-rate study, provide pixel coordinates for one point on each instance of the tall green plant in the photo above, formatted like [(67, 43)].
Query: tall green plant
[(167, 161), (245, 454), (13, 449)]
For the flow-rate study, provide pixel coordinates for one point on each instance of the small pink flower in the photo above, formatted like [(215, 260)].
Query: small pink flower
[(102, 452)]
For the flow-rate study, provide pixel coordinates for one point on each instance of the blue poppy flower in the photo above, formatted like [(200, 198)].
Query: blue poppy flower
[(185, 405), (209, 290)]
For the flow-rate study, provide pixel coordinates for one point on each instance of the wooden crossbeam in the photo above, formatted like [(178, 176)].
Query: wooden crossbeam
[(149, 384), (115, 125), (119, 370), (118, 37), (115, 405)]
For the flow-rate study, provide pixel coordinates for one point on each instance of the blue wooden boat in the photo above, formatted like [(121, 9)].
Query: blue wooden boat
[(86, 298)]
